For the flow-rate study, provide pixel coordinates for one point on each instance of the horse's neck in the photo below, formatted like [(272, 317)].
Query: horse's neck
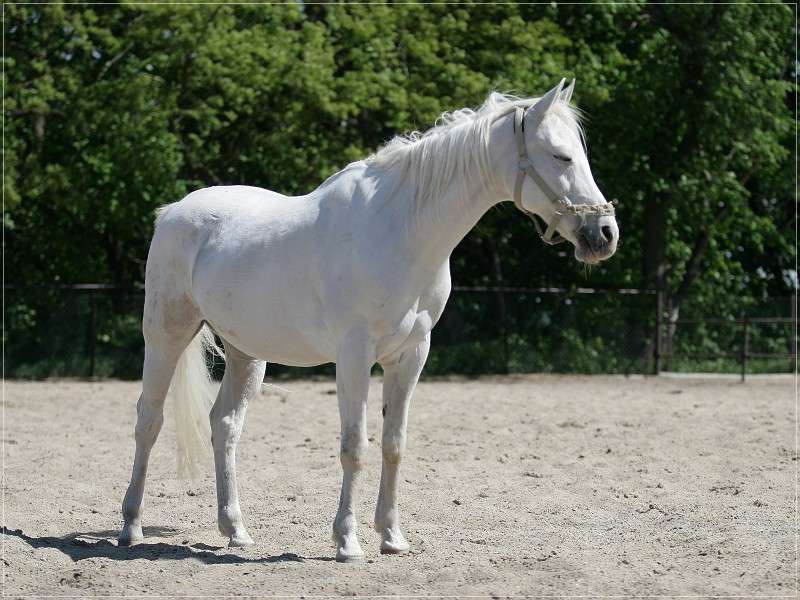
[(441, 222)]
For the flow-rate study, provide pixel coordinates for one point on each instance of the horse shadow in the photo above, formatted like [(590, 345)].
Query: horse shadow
[(79, 546)]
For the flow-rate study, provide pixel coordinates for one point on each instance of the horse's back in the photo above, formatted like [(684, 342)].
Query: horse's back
[(211, 203), (245, 257)]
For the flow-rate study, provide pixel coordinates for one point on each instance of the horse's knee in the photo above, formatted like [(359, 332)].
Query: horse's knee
[(393, 450), (353, 451), (354, 457)]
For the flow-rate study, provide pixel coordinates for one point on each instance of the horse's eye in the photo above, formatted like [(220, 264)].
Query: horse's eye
[(562, 158)]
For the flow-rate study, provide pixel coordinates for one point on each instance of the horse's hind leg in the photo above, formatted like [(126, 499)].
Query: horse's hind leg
[(399, 382), (243, 377), (159, 366)]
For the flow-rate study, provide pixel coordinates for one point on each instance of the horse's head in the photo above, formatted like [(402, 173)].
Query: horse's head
[(552, 156)]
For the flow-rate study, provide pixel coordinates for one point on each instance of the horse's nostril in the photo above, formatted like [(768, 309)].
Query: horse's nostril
[(608, 235)]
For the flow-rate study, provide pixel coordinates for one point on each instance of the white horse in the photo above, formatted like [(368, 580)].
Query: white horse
[(356, 272)]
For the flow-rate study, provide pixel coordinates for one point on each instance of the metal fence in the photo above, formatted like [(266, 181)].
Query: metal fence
[(744, 354), (545, 330), (83, 330), (93, 330)]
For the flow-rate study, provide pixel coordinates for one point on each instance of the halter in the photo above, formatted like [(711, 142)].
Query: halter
[(562, 204)]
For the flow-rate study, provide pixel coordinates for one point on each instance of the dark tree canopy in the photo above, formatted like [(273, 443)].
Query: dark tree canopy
[(113, 110)]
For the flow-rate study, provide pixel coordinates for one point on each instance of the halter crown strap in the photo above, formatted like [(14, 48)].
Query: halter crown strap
[(562, 203)]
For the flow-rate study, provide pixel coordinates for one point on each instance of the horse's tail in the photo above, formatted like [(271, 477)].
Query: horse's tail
[(161, 212), (193, 395)]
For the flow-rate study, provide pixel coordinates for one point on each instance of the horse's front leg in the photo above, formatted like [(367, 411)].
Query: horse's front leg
[(353, 365), (243, 377), (399, 381)]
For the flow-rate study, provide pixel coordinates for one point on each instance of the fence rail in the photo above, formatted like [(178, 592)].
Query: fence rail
[(743, 356), (92, 288), (93, 330), (552, 290)]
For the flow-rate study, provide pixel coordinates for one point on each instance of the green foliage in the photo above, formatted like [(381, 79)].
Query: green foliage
[(114, 110), (709, 88)]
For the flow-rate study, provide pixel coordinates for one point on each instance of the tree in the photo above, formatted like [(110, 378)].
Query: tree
[(708, 87), (114, 110), (89, 154)]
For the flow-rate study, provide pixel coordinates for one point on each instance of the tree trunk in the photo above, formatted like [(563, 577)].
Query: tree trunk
[(654, 261)]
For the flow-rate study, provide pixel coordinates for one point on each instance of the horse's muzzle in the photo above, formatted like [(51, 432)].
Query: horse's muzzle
[(597, 240)]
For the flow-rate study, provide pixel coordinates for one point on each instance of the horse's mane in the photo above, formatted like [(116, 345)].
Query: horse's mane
[(456, 146)]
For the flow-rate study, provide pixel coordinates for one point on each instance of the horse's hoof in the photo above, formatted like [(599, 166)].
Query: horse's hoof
[(240, 540), (344, 557), (394, 542), (349, 551), (395, 548), (129, 537)]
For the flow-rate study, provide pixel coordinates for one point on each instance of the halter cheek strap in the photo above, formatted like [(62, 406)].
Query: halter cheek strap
[(562, 204)]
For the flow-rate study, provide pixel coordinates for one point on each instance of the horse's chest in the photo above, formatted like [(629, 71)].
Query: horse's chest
[(411, 327)]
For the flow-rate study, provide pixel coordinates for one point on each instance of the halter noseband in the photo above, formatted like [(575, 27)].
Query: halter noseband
[(562, 204)]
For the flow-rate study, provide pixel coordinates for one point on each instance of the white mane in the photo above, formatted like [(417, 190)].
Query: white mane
[(457, 146)]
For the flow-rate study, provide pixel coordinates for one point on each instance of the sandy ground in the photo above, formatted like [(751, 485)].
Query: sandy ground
[(529, 485)]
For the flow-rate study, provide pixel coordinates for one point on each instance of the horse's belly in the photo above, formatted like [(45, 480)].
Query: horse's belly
[(287, 332), (274, 343)]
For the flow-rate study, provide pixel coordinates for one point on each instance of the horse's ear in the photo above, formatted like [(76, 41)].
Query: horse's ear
[(546, 102), (566, 95)]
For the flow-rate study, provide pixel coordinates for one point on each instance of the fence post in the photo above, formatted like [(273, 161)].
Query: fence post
[(793, 344), (659, 313), (93, 333), (505, 332), (745, 343), (670, 333)]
